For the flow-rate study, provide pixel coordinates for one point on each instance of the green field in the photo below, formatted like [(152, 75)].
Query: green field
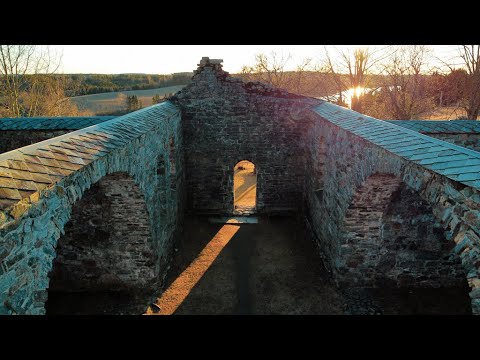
[(111, 102)]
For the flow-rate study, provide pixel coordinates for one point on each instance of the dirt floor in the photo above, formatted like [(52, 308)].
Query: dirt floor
[(96, 303), (271, 267), (265, 268)]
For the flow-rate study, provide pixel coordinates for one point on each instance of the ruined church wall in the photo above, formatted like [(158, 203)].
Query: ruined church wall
[(29, 239), (395, 240), (104, 247), (339, 162), (225, 121)]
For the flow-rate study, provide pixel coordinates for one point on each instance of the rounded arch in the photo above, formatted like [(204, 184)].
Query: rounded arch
[(392, 238), (107, 243), (244, 187)]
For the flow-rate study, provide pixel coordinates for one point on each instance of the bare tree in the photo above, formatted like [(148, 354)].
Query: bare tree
[(271, 69), (51, 98), (350, 72), (404, 90), (470, 55), (464, 70), (268, 69), (299, 83), (28, 84)]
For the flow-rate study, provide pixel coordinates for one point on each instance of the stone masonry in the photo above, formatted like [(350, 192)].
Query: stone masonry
[(395, 240), (41, 183), (104, 246), (100, 207), (226, 121), (350, 159), (13, 139)]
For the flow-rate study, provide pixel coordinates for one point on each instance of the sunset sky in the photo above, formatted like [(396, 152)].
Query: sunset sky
[(166, 59)]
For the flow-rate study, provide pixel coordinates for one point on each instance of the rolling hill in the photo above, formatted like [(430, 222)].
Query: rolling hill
[(115, 102)]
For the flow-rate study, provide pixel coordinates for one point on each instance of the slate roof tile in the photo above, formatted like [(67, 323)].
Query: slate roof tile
[(32, 168), (51, 123), (438, 127), (456, 162)]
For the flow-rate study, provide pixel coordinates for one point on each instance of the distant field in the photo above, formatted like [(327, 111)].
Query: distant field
[(116, 101)]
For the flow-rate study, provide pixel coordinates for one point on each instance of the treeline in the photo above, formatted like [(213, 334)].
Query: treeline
[(395, 82), (28, 87), (133, 103), (85, 84), (446, 89), (307, 83), (417, 93)]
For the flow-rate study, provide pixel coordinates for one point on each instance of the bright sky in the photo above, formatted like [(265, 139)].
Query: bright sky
[(166, 59)]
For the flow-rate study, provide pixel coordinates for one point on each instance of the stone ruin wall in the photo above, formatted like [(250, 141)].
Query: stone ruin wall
[(37, 226), (107, 242), (339, 163), (226, 120)]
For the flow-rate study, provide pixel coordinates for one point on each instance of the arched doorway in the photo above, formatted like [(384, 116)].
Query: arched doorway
[(244, 188), (105, 258)]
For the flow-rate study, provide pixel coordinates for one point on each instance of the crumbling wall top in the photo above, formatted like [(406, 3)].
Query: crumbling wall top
[(216, 64), (210, 79), (207, 61)]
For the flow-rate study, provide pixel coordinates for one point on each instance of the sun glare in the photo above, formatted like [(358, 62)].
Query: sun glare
[(353, 92), (358, 91)]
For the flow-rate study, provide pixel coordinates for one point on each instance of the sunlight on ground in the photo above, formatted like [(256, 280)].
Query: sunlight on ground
[(178, 291)]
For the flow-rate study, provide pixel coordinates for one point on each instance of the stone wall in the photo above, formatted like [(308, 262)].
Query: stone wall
[(14, 139), (136, 144), (226, 121), (107, 242), (339, 162), (394, 240)]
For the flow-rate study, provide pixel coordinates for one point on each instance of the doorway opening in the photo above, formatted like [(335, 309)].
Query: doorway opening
[(244, 188)]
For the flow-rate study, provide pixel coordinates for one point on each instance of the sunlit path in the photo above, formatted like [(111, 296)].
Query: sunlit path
[(181, 287), (264, 268)]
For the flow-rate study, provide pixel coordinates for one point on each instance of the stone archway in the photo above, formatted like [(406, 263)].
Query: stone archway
[(391, 239), (394, 238), (107, 244)]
